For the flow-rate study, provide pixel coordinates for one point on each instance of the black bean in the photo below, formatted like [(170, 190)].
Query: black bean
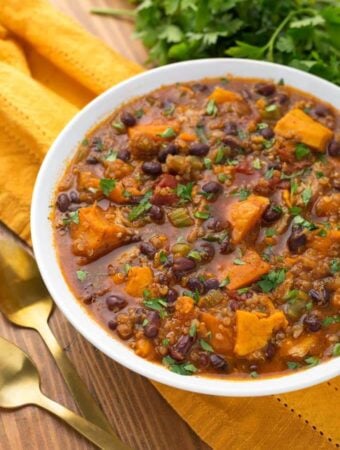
[(281, 98), (212, 187), (63, 202), (232, 142), (128, 119), (179, 351), (204, 360), (231, 128), (226, 246), (147, 249), (151, 329), (207, 251), (214, 224), (211, 283), (297, 239), (194, 284), (156, 213), (312, 322), (124, 154), (270, 350), (170, 149), (218, 362), (275, 165), (74, 197), (199, 87), (183, 265), (321, 296), (198, 149), (152, 168), (321, 111), (92, 160), (334, 149), (271, 214), (112, 324), (172, 295), (267, 133), (266, 89), (115, 302)]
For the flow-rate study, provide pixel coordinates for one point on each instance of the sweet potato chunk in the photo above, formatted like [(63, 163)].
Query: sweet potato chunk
[(86, 181), (145, 140), (184, 304), (222, 339), (298, 348), (139, 279), (244, 215), (117, 169), (144, 348), (253, 332), (299, 126), (243, 275), (328, 205), (322, 244), (220, 95), (97, 233)]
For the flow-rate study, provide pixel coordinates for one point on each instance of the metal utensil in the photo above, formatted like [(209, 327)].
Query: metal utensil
[(25, 301), (20, 386)]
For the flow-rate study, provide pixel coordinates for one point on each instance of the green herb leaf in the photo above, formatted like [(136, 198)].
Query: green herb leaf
[(336, 349), (254, 374), (168, 133), (225, 282), (312, 361), (205, 346), (292, 365), (181, 369), (107, 185), (203, 215), (211, 108), (165, 342), (270, 232), (271, 108), (301, 151), (184, 191), (194, 254), (238, 262), (111, 156), (192, 329), (219, 155), (139, 210), (207, 163), (273, 279), (330, 320), (334, 265), (81, 275), (242, 194), (257, 164), (306, 195), (295, 210), (71, 217)]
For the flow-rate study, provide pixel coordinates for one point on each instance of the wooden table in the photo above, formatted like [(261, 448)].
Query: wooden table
[(140, 415)]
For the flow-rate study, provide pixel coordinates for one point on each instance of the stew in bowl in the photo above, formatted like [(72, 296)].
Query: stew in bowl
[(199, 225)]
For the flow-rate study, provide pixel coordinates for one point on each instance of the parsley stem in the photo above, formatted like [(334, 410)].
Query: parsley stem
[(115, 12), (270, 45)]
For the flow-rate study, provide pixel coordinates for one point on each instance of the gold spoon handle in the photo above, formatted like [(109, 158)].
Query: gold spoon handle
[(94, 434), (80, 393)]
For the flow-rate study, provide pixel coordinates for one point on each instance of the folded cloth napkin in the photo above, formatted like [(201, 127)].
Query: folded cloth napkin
[(49, 68)]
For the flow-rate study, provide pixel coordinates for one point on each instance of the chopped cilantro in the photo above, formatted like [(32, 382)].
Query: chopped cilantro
[(165, 342), (181, 369), (330, 320), (163, 257), (207, 163), (306, 195), (225, 282), (222, 177), (301, 151), (293, 187), (143, 206), (118, 125), (299, 220), (238, 262), (319, 174), (269, 173), (268, 143), (168, 133), (157, 304), (72, 217), (219, 155), (270, 232), (295, 210), (262, 126), (242, 290), (81, 275), (256, 163), (312, 361), (145, 322), (192, 329), (111, 156), (271, 108), (139, 113), (336, 349), (253, 374), (292, 365), (205, 346), (169, 110), (194, 254), (242, 193), (184, 191), (211, 108), (107, 185), (322, 233), (270, 281), (204, 215), (201, 134), (242, 134), (334, 265)]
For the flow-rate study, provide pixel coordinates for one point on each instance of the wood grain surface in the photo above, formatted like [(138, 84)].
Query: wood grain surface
[(141, 417)]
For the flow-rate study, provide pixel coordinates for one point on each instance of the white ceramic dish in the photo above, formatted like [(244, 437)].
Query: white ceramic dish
[(42, 234)]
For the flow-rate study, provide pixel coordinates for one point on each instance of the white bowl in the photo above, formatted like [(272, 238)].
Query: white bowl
[(52, 168)]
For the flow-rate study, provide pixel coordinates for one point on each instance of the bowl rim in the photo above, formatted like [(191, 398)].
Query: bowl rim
[(43, 246)]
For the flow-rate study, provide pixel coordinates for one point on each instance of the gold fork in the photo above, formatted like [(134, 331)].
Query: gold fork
[(25, 301)]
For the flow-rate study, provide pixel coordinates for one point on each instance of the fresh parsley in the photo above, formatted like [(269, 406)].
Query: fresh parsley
[(205, 346), (143, 206), (211, 108), (81, 275), (184, 192), (273, 279), (301, 151), (334, 265), (181, 369), (168, 133), (107, 185), (71, 217)]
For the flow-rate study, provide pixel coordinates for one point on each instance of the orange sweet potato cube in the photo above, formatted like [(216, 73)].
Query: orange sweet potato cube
[(220, 95), (242, 275), (243, 216), (86, 181), (145, 140), (299, 126), (139, 279), (222, 339), (254, 331), (97, 233)]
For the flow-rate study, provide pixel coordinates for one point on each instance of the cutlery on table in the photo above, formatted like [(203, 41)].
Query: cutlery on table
[(20, 386), (25, 301)]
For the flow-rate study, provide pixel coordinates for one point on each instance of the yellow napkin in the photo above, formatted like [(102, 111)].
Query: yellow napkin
[(49, 68)]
